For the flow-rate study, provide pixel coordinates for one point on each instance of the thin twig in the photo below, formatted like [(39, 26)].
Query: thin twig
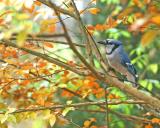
[(75, 105), (72, 46), (52, 5), (106, 105), (48, 40), (42, 35)]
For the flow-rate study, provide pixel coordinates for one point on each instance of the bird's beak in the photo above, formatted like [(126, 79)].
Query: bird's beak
[(101, 42)]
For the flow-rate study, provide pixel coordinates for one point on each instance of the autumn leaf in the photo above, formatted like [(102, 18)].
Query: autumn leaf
[(148, 126), (52, 120), (94, 11), (111, 22), (52, 28), (100, 27), (125, 12), (155, 120), (149, 37), (87, 123), (156, 19), (48, 44), (37, 3)]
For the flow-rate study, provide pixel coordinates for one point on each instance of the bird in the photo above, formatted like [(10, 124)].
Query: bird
[(119, 60)]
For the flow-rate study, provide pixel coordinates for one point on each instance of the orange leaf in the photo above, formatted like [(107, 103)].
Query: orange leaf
[(42, 64), (94, 10), (52, 28), (111, 22), (93, 126), (40, 100), (66, 73), (111, 96), (148, 37), (155, 120), (48, 44), (90, 27), (38, 3), (93, 119), (99, 27), (71, 63), (156, 19), (148, 126), (87, 123), (25, 82)]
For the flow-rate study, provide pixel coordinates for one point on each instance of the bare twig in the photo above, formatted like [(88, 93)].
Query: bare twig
[(52, 5), (106, 105), (135, 119), (49, 40), (74, 48), (85, 35)]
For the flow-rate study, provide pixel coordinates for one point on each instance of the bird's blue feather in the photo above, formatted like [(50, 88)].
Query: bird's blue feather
[(125, 61)]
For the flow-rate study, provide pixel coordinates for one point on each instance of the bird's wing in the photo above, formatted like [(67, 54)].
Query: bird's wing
[(125, 61)]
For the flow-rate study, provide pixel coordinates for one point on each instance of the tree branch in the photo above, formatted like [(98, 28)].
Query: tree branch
[(75, 105), (46, 57), (49, 40), (95, 73), (42, 35)]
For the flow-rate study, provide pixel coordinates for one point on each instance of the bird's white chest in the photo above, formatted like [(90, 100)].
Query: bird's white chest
[(114, 57)]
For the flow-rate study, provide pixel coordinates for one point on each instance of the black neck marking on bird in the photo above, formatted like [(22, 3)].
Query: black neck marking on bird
[(113, 49)]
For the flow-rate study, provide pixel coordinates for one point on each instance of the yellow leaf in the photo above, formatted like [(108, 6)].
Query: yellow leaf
[(49, 21), (148, 37), (94, 10), (52, 120), (66, 110), (87, 123), (21, 37)]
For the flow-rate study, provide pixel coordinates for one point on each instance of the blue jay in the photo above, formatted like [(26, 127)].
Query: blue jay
[(118, 60)]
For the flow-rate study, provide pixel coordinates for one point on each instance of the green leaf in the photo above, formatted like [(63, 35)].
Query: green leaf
[(153, 68), (21, 37), (38, 123), (66, 110)]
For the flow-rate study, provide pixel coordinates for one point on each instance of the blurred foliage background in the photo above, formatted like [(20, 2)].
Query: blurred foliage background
[(135, 23)]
